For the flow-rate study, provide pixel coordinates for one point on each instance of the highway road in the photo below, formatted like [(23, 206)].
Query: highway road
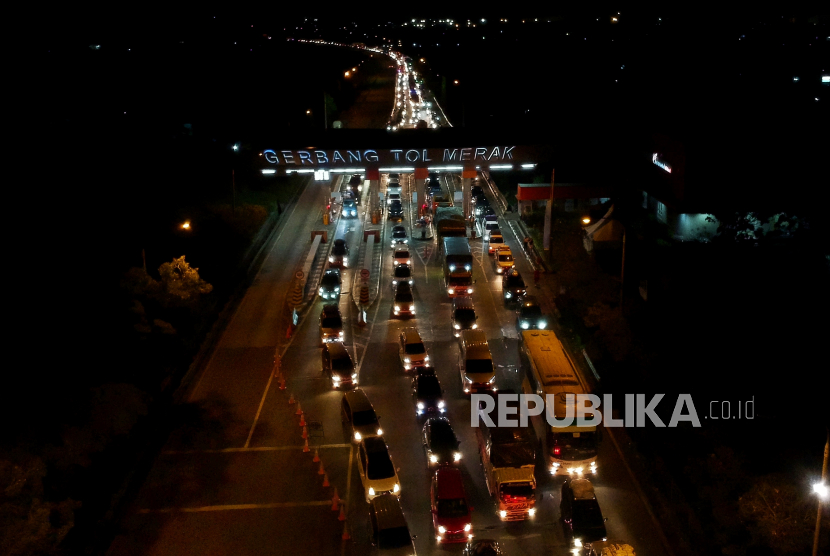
[(233, 477)]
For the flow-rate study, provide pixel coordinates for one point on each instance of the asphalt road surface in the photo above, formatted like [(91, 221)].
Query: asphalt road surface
[(234, 479)]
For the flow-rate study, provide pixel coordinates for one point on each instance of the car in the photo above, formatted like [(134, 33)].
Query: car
[(463, 315), (376, 469), (440, 442), (339, 254), (489, 225), (495, 241), (355, 182), (411, 349), (401, 256), (330, 284), (513, 287), (349, 208), (483, 547), (395, 211), (399, 236), (357, 411), (338, 365), (392, 197), (580, 513), (389, 531), (433, 176), (503, 260), (451, 511), (403, 302), (402, 273), (331, 324), (428, 395), (434, 187), (481, 202), (394, 176), (529, 316)]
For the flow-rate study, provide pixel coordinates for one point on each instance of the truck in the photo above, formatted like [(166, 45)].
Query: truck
[(508, 457), (449, 222), (609, 548), (458, 266), (549, 370)]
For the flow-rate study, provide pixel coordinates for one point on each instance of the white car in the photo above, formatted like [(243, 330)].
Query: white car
[(376, 469), (392, 197), (401, 256)]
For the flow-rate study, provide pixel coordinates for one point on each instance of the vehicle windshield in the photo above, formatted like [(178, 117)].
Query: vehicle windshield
[(475, 366), (399, 233), (515, 282), (364, 417), (516, 492), (401, 254), (339, 250), (394, 538), (571, 447), (380, 466), (412, 349), (330, 280), (402, 271), (403, 297), (331, 322), (428, 387), (455, 507), (465, 314), (505, 258), (531, 312), (461, 281), (348, 203), (496, 239), (587, 513), (343, 364)]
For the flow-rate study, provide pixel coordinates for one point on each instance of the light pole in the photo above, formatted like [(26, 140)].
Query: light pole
[(233, 179), (821, 490)]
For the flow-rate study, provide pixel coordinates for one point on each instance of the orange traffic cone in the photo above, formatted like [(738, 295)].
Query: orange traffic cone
[(321, 471), (305, 432), (299, 409), (302, 420), (316, 457), (326, 480), (346, 535), (335, 501), (305, 447), (291, 399), (282, 382), (342, 516)]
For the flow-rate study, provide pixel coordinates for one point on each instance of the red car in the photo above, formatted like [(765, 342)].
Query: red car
[(450, 508)]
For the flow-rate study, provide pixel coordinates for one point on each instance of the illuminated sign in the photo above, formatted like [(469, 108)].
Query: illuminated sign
[(660, 163), (330, 158)]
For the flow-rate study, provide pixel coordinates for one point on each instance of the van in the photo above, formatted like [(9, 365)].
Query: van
[(338, 365), (475, 364), (389, 531), (358, 413)]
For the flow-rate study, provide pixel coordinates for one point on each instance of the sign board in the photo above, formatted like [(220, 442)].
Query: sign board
[(364, 274), (337, 124)]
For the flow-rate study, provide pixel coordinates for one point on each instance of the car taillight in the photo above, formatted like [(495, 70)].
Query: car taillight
[(557, 450)]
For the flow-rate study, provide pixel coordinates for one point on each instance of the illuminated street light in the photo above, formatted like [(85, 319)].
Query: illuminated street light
[(235, 147), (586, 220), (186, 225), (354, 69), (347, 74), (455, 82), (822, 490), (308, 111)]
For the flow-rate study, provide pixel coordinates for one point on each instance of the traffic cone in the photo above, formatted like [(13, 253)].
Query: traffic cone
[(305, 447), (326, 480), (282, 382), (321, 471), (316, 457), (302, 420), (342, 516), (346, 535), (335, 501), (299, 409), (291, 399), (305, 432)]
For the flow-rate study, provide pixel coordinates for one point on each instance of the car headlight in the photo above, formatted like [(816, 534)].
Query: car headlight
[(578, 543), (503, 514), (492, 380), (542, 324), (345, 262), (345, 212), (433, 458), (412, 307), (475, 326), (396, 262), (420, 405), (468, 527), (410, 282), (396, 488), (426, 358), (467, 267), (450, 291), (397, 307), (394, 282), (531, 512), (321, 291), (358, 436), (508, 295), (441, 405), (452, 268), (406, 241), (469, 290), (442, 529), (407, 360), (457, 326), (331, 259), (525, 325), (371, 491), (354, 376), (408, 261), (340, 333), (456, 456), (380, 432)]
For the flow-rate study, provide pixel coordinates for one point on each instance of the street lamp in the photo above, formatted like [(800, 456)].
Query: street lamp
[(821, 489), (186, 225)]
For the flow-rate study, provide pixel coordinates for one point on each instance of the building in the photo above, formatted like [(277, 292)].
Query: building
[(567, 196)]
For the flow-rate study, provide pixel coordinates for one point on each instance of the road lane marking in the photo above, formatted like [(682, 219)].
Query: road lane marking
[(259, 410), (231, 507), (348, 495), (252, 449)]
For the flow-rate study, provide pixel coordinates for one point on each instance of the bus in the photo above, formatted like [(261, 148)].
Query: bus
[(458, 266), (549, 370)]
